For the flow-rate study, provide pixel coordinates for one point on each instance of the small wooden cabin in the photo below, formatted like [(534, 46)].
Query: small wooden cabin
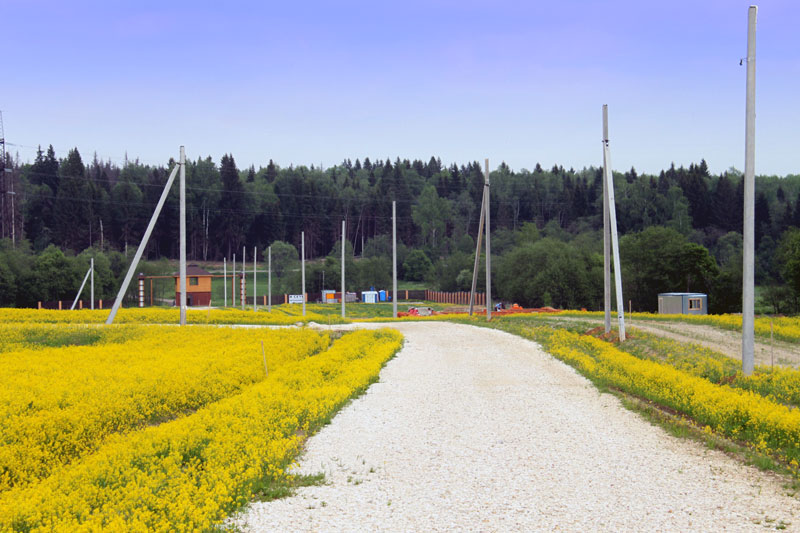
[(198, 286)]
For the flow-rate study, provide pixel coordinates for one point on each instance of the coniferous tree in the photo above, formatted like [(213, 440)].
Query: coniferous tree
[(38, 210), (796, 212), (272, 172), (763, 220), (231, 206), (71, 210), (723, 205)]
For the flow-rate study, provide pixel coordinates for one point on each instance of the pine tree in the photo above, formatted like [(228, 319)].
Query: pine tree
[(72, 208), (272, 172), (763, 220), (796, 212), (723, 205), (231, 205)]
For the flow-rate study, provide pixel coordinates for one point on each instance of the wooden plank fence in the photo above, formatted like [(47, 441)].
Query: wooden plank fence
[(454, 298)]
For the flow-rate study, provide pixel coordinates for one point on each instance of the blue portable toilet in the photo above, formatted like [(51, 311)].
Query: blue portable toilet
[(382, 295)]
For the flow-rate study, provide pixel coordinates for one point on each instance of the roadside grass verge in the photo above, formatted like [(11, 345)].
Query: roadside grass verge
[(779, 384)]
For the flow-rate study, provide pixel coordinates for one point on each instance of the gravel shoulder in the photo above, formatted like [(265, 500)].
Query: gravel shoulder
[(473, 429)]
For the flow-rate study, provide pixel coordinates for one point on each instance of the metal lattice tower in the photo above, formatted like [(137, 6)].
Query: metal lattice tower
[(7, 190)]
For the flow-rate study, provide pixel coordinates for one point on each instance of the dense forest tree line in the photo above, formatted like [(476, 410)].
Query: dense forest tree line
[(681, 229)]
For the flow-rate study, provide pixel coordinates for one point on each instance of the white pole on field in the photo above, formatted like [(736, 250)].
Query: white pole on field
[(394, 259), (243, 296), (183, 236), (233, 283), (269, 278), (606, 237), (488, 217), (142, 245), (748, 267), (612, 217), (255, 292), (343, 293), (303, 268), (88, 272), (225, 280), (91, 265), (477, 253)]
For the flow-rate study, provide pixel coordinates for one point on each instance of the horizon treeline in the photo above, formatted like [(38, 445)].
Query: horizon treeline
[(76, 205)]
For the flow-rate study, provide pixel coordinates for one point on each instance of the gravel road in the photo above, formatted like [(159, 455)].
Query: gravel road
[(471, 429)]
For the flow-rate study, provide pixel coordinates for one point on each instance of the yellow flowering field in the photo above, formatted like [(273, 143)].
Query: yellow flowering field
[(765, 424), (187, 474), (58, 404), (779, 383), (283, 315)]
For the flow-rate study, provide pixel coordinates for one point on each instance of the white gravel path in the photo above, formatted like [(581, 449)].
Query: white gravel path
[(471, 429)]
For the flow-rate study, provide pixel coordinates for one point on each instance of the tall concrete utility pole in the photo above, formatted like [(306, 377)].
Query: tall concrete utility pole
[(269, 279), (344, 297), (243, 296), (129, 275), (394, 259), (488, 244), (606, 236), (255, 291), (225, 281), (612, 218), (91, 265), (233, 283), (303, 268), (183, 236), (748, 267)]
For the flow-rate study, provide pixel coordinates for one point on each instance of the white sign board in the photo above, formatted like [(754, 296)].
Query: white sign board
[(295, 298)]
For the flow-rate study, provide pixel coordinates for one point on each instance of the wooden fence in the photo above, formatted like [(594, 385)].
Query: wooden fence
[(455, 298)]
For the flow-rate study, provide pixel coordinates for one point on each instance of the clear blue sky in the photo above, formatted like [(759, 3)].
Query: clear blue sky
[(317, 82)]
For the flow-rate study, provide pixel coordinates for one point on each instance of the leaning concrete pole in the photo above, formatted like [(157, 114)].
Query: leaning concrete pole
[(142, 245), (183, 236), (343, 293), (612, 218), (477, 253), (606, 236), (488, 245), (77, 296), (394, 259), (748, 267)]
